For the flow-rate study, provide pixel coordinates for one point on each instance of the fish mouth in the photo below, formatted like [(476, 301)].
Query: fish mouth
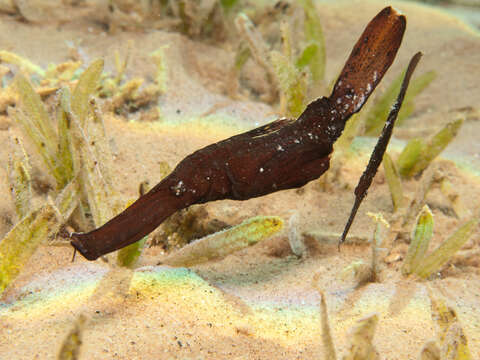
[(77, 241)]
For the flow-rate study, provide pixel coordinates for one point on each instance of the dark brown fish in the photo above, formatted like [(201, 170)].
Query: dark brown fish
[(284, 154)]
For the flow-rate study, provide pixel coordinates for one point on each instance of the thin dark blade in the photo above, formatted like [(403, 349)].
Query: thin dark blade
[(377, 154)]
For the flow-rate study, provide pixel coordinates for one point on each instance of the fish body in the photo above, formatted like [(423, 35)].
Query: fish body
[(283, 154)]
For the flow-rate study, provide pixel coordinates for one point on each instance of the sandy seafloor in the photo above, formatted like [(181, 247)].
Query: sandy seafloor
[(258, 303)]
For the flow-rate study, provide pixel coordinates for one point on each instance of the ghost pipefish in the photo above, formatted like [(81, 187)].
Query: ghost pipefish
[(283, 154)]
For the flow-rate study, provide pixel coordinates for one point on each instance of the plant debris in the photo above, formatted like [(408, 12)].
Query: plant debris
[(222, 243)]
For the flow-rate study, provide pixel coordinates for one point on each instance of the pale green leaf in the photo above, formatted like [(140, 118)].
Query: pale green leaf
[(86, 87), (34, 229), (314, 35), (344, 142), (161, 75), (67, 200), (393, 181), (23, 240), (420, 239), (92, 160), (20, 180), (21, 62), (228, 5), (129, 255), (36, 124), (446, 250), (291, 82), (241, 57), (46, 147), (409, 156), (436, 145), (64, 151), (33, 107), (306, 56), (416, 86), (225, 242)]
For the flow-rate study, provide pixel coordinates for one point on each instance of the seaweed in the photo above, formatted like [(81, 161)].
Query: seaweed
[(241, 57), (31, 231), (86, 86), (128, 256), (36, 124), (376, 242), (358, 271), (64, 156), (258, 49), (72, 344), (344, 142), (92, 159), (430, 351), (202, 19), (394, 182), (223, 243), (65, 72), (313, 54), (47, 81), (130, 95), (416, 157), (291, 71), (229, 5), (361, 339), (451, 340), (420, 240), (327, 338), (450, 343), (8, 95), (409, 156), (432, 176), (125, 95), (441, 255), (23, 63), (23, 240), (54, 145), (160, 60), (448, 190), (294, 238), (20, 179), (405, 215), (362, 272), (427, 180), (423, 264), (291, 82), (78, 149), (381, 106)]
